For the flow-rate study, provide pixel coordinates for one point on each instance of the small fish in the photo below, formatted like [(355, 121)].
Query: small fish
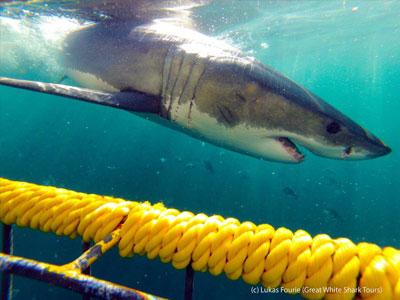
[(331, 181), (209, 167), (49, 181), (329, 172), (333, 213), (15, 291), (243, 174), (329, 177), (189, 165), (289, 192)]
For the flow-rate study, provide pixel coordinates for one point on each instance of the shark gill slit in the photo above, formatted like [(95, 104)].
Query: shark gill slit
[(168, 61), (193, 97), (177, 88)]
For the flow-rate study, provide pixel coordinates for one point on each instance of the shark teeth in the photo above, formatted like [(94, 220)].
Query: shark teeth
[(291, 148)]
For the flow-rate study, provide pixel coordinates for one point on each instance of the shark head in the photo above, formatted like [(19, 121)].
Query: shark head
[(300, 117), (269, 116), (329, 133)]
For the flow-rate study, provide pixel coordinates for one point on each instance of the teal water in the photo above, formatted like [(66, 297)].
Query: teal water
[(347, 52)]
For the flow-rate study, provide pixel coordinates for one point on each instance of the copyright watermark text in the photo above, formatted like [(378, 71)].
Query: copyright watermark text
[(315, 290)]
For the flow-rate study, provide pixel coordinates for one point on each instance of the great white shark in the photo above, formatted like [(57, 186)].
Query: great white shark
[(194, 83)]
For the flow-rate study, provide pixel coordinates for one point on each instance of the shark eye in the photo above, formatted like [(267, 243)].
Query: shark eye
[(333, 127)]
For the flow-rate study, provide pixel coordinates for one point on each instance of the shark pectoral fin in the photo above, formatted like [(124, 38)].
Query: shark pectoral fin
[(128, 100)]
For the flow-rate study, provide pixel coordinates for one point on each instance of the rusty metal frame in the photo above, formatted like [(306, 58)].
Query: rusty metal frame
[(70, 276)]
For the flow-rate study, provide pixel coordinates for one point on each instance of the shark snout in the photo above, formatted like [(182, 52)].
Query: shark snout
[(365, 145), (376, 148)]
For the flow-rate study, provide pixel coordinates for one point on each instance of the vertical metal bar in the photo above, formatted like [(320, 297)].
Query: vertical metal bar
[(189, 282), (6, 281), (85, 247), (87, 271), (95, 252)]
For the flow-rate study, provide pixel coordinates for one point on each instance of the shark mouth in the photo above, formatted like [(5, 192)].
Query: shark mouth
[(291, 149)]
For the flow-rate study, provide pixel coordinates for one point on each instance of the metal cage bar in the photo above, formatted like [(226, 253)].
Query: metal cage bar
[(70, 276), (189, 283), (6, 281), (88, 271)]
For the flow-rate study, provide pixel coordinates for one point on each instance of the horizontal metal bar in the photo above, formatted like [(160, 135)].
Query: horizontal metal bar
[(69, 279)]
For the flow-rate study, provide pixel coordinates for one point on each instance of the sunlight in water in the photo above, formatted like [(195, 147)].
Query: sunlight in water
[(54, 29), (33, 44)]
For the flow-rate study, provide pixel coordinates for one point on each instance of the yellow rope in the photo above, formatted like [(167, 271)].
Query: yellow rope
[(319, 267)]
